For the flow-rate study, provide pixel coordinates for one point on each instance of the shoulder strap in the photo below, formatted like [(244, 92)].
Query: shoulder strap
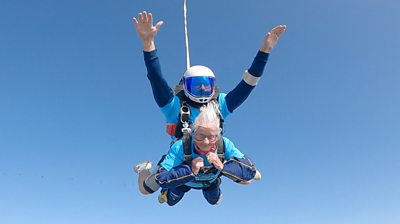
[(178, 87), (184, 113), (216, 93), (221, 149), (184, 117), (187, 148)]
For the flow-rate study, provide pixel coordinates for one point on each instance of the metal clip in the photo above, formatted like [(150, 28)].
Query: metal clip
[(186, 129), (185, 113)]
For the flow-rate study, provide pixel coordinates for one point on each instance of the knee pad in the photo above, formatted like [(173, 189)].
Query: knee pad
[(150, 184)]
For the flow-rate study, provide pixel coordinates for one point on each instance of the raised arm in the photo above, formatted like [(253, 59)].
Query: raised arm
[(251, 76), (162, 92)]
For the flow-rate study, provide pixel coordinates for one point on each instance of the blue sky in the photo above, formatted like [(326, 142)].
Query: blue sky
[(76, 110)]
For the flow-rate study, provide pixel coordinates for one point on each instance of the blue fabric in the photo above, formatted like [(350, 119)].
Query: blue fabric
[(174, 195), (165, 99), (175, 155), (171, 110), (239, 94), (174, 177), (174, 174), (162, 93), (212, 195), (258, 65), (239, 169)]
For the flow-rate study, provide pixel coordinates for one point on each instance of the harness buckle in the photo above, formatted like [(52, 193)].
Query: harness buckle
[(185, 112), (186, 129), (185, 116)]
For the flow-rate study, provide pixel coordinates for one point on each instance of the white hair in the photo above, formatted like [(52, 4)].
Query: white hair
[(209, 114)]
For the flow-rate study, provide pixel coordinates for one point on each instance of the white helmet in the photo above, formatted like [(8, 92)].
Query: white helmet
[(198, 83)]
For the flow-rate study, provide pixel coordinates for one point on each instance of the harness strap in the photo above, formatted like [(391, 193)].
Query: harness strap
[(202, 181), (184, 113), (187, 148), (184, 120), (221, 149)]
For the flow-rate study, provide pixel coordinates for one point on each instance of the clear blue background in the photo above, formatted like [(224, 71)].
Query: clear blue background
[(77, 112)]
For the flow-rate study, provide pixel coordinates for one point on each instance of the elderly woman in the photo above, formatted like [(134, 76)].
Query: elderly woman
[(201, 168)]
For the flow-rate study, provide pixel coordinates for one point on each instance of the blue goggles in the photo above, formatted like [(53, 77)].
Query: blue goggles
[(200, 86)]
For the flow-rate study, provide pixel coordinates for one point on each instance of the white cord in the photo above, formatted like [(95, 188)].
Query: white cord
[(186, 37)]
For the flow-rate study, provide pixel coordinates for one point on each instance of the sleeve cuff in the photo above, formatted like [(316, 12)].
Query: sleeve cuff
[(149, 55), (262, 56)]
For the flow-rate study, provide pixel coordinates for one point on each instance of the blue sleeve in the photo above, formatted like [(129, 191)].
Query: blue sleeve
[(175, 177), (231, 151), (258, 65), (240, 93), (237, 166), (174, 156), (162, 93), (223, 108), (171, 110)]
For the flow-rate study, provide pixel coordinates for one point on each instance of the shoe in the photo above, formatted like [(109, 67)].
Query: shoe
[(162, 197), (257, 176), (142, 166), (219, 199)]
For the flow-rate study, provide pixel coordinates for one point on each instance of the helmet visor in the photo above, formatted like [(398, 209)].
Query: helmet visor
[(200, 86)]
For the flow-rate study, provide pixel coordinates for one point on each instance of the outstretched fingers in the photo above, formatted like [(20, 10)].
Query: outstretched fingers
[(271, 38), (140, 19), (145, 19), (278, 30), (145, 29), (135, 21), (150, 18), (142, 16), (159, 24)]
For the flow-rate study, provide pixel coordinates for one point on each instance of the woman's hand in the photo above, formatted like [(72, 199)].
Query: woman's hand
[(214, 160), (197, 164)]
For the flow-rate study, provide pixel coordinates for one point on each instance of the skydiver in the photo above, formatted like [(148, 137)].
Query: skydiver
[(198, 87)]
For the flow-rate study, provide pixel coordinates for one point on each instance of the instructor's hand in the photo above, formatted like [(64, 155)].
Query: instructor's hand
[(145, 29), (271, 38)]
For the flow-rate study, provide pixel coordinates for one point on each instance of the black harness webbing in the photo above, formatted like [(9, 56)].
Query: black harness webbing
[(184, 113), (187, 148)]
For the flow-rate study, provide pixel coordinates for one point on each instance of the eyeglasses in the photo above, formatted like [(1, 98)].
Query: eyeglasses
[(201, 137)]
